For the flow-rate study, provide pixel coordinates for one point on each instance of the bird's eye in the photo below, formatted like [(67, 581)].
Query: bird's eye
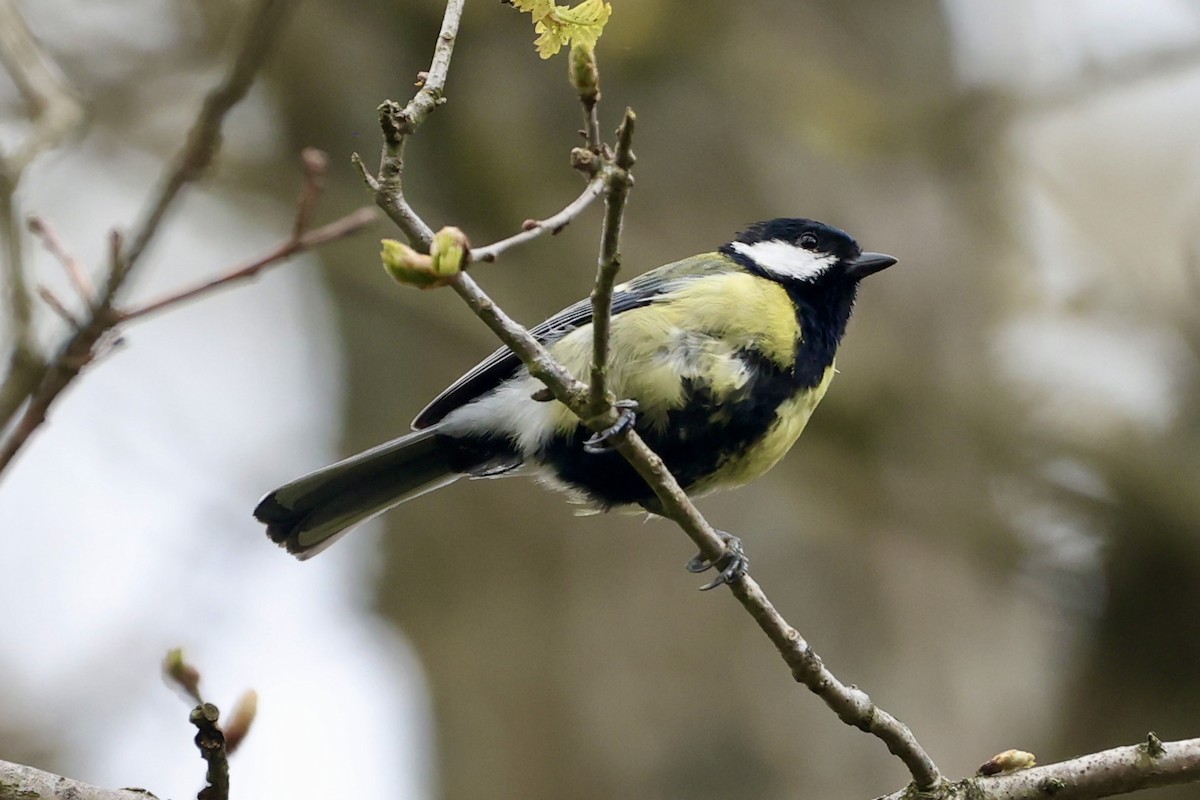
[(808, 241)]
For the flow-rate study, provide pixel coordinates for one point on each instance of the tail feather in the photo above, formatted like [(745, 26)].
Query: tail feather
[(312, 512)]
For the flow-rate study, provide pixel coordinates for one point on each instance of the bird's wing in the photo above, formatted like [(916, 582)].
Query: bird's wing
[(503, 364)]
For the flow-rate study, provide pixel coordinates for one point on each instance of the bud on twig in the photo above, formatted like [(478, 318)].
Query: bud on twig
[(182, 674), (584, 75), (1008, 761), (240, 721), (448, 255)]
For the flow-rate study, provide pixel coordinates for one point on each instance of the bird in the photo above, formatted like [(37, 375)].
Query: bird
[(718, 359)]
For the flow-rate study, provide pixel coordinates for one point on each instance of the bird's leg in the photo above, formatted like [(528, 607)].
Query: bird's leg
[(732, 565), (602, 441)]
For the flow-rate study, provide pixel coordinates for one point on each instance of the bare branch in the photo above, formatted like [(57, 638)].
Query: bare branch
[(75, 272), (55, 112), (210, 740), (80, 349), (58, 307), (27, 783), (1111, 772), (596, 410), (618, 181), (25, 361), (54, 107), (265, 25), (338, 229), (552, 225), (400, 123), (40, 387)]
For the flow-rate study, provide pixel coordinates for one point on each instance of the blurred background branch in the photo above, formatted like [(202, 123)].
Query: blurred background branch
[(54, 111), (264, 27)]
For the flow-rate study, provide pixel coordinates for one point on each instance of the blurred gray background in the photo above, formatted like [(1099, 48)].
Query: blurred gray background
[(989, 525)]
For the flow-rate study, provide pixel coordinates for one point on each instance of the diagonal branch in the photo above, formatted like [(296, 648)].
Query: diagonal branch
[(202, 142), (400, 123), (82, 347), (264, 27), (595, 408), (55, 112)]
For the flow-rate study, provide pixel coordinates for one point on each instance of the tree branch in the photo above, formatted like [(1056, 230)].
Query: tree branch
[(54, 106), (82, 347), (264, 27), (197, 152), (18, 782), (55, 112), (595, 409), (618, 182), (210, 740), (400, 123), (552, 224), (1104, 774)]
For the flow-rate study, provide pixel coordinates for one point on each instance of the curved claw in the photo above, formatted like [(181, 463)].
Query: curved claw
[(732, 564), (602, 441)]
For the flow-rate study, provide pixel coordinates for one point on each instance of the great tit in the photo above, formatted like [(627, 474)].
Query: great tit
[(725, 355)]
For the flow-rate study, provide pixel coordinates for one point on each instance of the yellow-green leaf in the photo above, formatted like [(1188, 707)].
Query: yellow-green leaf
[(558, 26)]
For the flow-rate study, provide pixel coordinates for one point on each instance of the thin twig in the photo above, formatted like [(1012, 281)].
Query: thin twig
[(54, 112), (210, 740), (265, 23), (81, 348), (591, 125), (551, 225), (25, 362), (400, 123), (54, 244), (338, 229), (316, 164), (617, 184), (264, 27), (58, 307), (596, 410)]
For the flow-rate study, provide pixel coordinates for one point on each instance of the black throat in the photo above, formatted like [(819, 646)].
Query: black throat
[(822, 312), (822, 309)]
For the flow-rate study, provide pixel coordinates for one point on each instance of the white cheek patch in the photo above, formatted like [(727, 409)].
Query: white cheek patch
[(785, 260)]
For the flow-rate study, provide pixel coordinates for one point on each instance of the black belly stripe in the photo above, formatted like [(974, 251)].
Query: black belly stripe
[(697, 441)]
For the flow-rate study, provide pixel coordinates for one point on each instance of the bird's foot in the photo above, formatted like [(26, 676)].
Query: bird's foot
[(732, 565), (604, 441)]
